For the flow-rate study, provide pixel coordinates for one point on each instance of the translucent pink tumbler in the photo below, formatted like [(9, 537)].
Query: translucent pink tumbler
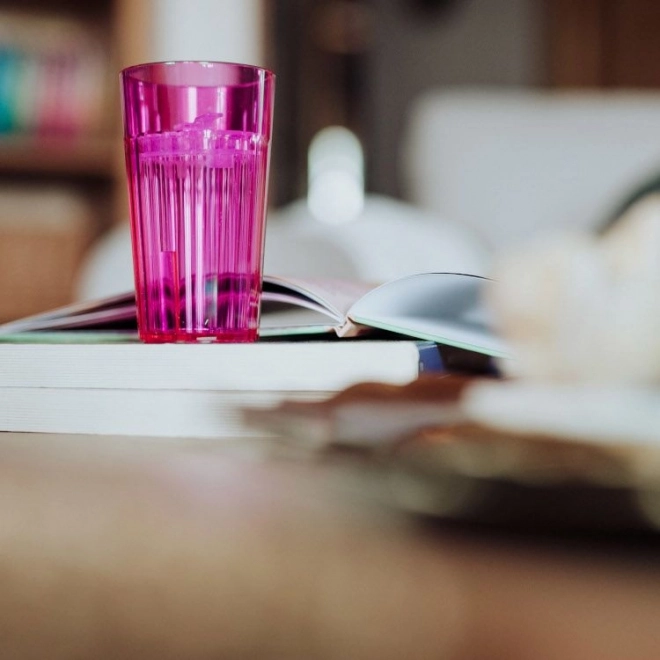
[(197, 142)]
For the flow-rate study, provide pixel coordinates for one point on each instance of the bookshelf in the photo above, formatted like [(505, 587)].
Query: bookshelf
[(57, 156), (62, 180)]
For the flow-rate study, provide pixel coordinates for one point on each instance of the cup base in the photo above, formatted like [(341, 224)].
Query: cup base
[(221, 337)]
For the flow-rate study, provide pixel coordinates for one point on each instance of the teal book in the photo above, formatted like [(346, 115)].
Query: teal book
[(9, 80)]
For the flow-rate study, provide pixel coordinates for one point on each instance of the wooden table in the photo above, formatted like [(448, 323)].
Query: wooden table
[(120, 548)]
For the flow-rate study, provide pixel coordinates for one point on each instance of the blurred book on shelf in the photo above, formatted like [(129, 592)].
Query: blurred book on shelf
[(53, 75)]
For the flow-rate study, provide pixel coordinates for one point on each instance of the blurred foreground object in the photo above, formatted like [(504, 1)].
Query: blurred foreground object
[(583, 308), (582, 316), (479, 450), (368, 416), (530, 482)]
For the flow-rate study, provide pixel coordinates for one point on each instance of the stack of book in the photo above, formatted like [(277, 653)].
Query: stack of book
[(180, 389), (74, 371)]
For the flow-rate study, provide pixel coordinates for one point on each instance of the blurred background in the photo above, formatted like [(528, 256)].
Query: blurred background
[(409, 134)]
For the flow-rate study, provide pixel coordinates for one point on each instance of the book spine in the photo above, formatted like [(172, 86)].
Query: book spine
[(151, 413), (438, 358), (430, 358), (459, 361)]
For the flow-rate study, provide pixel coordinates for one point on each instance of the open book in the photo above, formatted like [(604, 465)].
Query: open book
[(441, 307)]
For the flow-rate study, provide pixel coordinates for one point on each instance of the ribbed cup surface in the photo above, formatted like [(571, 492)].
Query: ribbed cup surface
[(197, 163)]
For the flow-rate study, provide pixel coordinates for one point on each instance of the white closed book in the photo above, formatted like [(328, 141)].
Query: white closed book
[(184, 389)]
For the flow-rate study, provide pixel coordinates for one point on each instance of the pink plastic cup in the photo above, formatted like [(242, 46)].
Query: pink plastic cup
[(197, 142)]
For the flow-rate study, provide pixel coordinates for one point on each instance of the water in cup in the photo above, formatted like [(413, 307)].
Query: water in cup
[(201, 195)]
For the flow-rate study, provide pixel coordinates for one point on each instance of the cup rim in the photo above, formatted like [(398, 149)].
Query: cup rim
[(134, 68)]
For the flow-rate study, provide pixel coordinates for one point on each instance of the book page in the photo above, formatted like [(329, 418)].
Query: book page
[(113, 311), (334, 295), (303, 307), (289, 306), (441, 307)]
